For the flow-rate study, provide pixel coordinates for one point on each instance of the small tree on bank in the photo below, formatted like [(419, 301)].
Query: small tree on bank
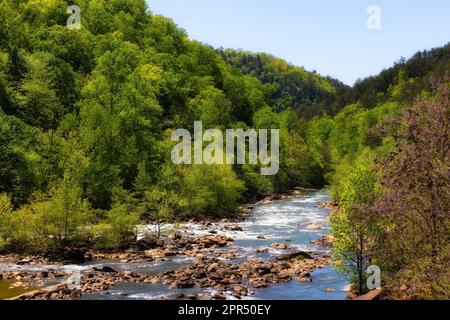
[(159, 206), (352, 230)]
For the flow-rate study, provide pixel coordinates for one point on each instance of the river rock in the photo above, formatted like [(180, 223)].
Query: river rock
[(314, 226), (24, 261), (169, 253), (258, 283), (217, 295), (325, 241), (262, 270), (213, 267), (177, 236), (233, 228), (240, 290), (147, 243), (183, 284), (305, 277), (210, 241), (104, 269), (327, 205), (279, 246), (260, 250), (301, 255)]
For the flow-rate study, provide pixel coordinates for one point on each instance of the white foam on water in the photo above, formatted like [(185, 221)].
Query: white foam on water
[(148, 296), (42, 267)]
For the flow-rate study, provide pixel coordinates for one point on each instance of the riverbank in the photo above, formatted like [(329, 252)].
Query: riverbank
[(211, 269), (148, 241)]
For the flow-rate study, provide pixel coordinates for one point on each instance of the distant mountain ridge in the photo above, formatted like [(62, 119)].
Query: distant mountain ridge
[(306, 92), (311, 94)]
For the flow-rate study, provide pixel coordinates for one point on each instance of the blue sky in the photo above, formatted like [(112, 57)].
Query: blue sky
[(328, 36)]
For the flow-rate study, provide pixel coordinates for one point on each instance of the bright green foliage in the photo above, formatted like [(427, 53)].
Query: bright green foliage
[(353, 237), (86, 118), (118, 229), (16, 174), (212, 107), (160, 206), (6, 210), (213, 190), (288, 86)]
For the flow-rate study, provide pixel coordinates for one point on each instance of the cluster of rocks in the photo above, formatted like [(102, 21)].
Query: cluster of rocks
[(212, 267), (150, 248), (239, 279), (31, 280), (327, 205), (55, 292), (61, 256), (37, 277), (224, 277), (95, 280), (315, 226), (101, 279), (23, 260), (325, 241)]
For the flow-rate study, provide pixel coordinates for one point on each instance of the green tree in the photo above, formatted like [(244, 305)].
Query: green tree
[(353, 232), (211, 190), (6, 229), (160, 206)]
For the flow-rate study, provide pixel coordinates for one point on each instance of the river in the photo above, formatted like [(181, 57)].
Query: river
[(296, 221)]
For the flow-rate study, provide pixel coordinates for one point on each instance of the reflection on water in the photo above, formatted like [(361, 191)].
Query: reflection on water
[(10, 289)]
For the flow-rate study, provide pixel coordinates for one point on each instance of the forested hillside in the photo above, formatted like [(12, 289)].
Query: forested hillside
[(308, 93), (405, 80), (389, 167), (86, 118)]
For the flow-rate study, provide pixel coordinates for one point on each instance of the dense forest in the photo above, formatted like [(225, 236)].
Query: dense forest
[(86, 118), (308, 93)]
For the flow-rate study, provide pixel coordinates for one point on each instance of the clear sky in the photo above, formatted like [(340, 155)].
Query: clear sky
[(329, 36)]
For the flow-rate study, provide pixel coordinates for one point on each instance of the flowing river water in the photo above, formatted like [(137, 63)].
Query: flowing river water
[(296, 221)]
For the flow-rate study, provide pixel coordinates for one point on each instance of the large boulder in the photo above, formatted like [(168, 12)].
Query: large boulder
[(233, 228), (147, 243), (218, 241), (262, 270), (258, 283), (177, 236), (301, 255), (279, 246), (104, 269), (184, 282)]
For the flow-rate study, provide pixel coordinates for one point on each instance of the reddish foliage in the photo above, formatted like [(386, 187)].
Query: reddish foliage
[(415, 177)]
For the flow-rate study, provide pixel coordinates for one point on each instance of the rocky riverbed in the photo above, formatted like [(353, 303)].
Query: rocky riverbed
[(280, 249)]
